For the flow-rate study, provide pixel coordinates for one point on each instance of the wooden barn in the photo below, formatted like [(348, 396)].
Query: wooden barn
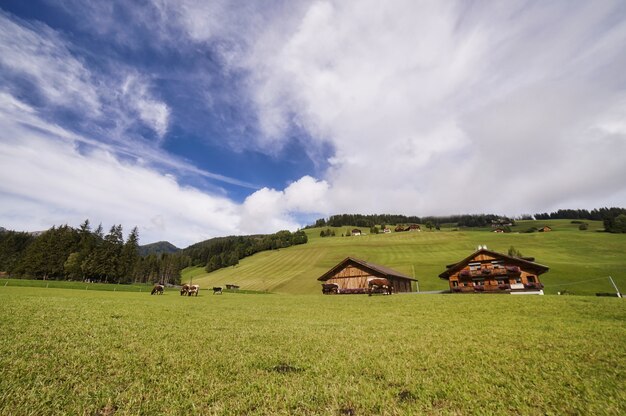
[(487, 271), (351, 276)]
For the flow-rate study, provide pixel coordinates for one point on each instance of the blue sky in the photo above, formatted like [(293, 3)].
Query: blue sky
[(194, 119)]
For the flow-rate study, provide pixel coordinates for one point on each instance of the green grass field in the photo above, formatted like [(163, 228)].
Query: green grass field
[(102, 353), (65, 284), (580, 261)]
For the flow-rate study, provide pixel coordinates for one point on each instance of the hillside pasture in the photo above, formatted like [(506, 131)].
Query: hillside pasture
[(580, 261), (95, 352)]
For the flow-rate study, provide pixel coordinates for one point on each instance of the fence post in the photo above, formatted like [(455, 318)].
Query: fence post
[(619, 295)]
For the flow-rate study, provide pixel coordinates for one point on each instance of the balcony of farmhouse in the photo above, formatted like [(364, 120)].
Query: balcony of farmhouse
[(487, 271)]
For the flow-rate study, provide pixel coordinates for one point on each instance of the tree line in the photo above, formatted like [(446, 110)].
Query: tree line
[(220, 252), (67, 253), (614, 219), (369, 221)]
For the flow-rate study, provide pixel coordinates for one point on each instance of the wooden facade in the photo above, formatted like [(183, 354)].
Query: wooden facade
[(351, 276), (487, 271)]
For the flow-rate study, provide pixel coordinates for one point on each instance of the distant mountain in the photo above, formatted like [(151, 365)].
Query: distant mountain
[(158, 248)]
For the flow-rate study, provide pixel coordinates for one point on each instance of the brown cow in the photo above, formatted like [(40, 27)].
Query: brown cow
[(375, 285), (193, 290), (184, 290), (157, 289)]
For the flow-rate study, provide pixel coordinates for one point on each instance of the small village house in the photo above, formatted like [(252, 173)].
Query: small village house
[(351, 276), (356, 231), (487, 271)]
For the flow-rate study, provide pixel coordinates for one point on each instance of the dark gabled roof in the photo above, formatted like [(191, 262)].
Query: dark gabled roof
[(371, 266), (528, 261)]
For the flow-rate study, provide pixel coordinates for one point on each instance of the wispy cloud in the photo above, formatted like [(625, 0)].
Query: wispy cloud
[(155, 114), (53, 181), (35, 57)]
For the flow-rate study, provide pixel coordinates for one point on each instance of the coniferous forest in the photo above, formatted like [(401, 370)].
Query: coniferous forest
[(67, 253)]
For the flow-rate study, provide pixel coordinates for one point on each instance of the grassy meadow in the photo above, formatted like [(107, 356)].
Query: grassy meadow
[(66, 284), (104, 353), (580, 261)]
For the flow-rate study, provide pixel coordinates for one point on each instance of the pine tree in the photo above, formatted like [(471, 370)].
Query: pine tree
[(129, 256)]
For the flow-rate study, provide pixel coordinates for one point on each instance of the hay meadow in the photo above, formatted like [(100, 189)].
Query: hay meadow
[(580, 261), (88, 352)]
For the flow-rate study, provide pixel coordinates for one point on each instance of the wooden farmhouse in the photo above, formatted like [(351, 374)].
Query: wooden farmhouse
[(487, 271), (351, 276), (356, 231)]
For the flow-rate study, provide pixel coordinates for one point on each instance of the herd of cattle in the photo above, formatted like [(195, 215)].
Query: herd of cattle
[(374, 285), (186, 289)]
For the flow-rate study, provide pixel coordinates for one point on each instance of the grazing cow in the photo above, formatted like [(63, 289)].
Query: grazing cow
[(184, 290), (193, 290), (217, 290), (375, 285), (157, 290), (330, 288)]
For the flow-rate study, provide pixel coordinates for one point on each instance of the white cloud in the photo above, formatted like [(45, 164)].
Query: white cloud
[(154, 113), (275, 210), (46, 180), (436, 107), (36, 54)]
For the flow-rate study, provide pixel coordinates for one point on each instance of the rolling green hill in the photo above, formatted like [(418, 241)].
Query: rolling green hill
[(579, 261), (158, 248)]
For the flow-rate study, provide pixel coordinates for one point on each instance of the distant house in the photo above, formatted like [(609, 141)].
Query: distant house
[(399, 229), (351, 276), (544, 229), (356, 231), (487, 271), (386, 230), (498, 230)]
